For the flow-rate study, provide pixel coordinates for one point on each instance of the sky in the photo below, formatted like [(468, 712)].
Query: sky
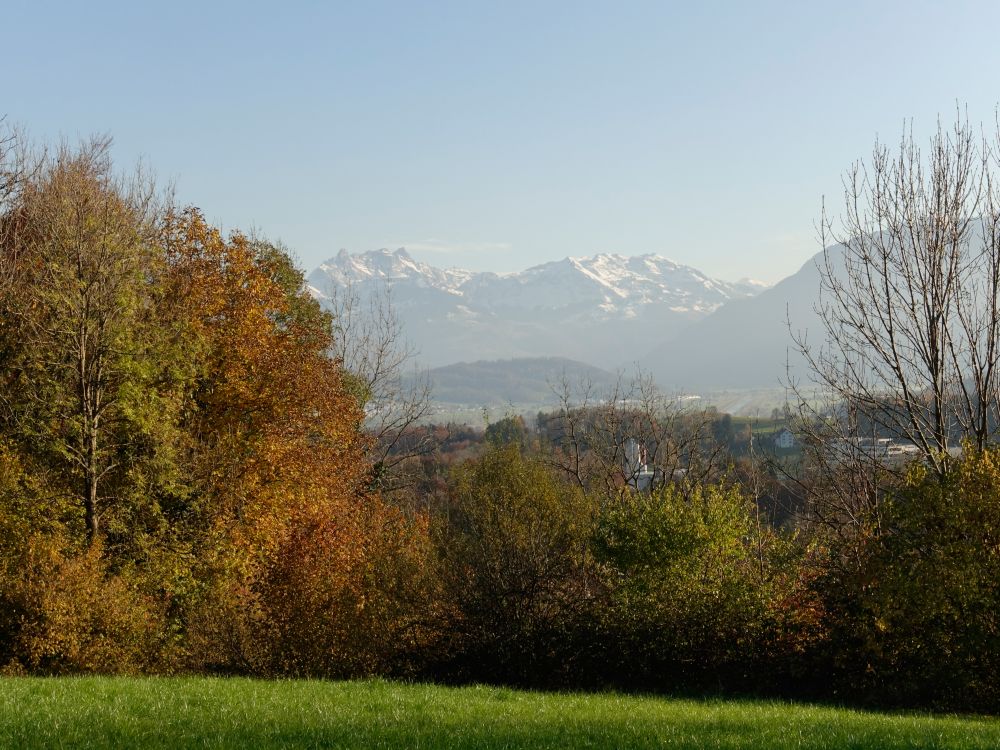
[(500, 135)]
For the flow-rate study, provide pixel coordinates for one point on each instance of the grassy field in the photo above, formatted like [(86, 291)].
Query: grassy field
[(200, 712)]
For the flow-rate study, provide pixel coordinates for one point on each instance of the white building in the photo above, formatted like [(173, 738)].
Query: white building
[(638, 473), (784, 439)]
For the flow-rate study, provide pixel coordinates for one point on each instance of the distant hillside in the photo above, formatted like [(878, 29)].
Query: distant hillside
[(514, 381), (745, 343)]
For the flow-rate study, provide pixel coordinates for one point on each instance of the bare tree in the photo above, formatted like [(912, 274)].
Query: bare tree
[(369, 341), (15, 168), (910, 301), (9, 167), (632, 435)]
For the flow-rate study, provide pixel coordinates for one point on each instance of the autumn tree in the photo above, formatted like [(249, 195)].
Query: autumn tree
[(304, 569), (85, 382), (510, 430), (76, 315), (176, 433)]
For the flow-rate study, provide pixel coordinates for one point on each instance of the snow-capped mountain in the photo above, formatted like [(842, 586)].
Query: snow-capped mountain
[(386, 267), (605, 310), (614, 284)]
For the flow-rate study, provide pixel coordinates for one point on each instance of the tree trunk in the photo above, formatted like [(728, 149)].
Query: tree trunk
[(91, 480)]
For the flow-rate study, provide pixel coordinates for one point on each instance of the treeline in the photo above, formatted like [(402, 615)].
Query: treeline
[(187, 485)]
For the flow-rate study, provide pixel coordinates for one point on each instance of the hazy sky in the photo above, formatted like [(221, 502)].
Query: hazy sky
[(504, 134)]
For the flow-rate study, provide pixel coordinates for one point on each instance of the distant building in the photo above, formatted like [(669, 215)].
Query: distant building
[(638, 473), (887, 451), (902, 451), (785, 439)]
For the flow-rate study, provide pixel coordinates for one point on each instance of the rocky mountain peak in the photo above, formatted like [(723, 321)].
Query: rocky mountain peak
[(605, 306)]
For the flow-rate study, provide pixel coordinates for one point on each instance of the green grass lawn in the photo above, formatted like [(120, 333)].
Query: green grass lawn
[(203, 712)]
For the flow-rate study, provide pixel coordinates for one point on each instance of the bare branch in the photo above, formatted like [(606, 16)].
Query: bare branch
[(369, 342)]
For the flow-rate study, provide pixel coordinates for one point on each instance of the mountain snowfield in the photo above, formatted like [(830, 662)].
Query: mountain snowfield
[(606, 310)]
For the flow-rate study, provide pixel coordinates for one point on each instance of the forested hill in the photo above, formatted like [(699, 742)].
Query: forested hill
[(531, 380)]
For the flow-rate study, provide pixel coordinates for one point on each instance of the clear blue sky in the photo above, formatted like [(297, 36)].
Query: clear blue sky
[(499, 135)]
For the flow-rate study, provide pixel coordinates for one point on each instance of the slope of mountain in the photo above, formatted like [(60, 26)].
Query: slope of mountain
[(514, 381), (745, 343), (602, 310)]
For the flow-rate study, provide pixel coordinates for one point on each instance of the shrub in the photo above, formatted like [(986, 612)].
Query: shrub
[(914, 620), (61, 610), (74, 616), (513, 549), (347, 595), (694, 583)]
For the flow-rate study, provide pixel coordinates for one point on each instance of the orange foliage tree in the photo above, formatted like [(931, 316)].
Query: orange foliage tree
[(294, 548)]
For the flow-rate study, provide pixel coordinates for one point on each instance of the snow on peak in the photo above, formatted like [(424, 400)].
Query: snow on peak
[(606, 308), (606, 285)]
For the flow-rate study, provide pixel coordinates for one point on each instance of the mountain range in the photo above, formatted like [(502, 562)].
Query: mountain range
[(608, 311), (689, 331)]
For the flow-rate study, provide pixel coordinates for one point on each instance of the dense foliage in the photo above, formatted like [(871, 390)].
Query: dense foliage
[(180, 478), (186, 485)]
